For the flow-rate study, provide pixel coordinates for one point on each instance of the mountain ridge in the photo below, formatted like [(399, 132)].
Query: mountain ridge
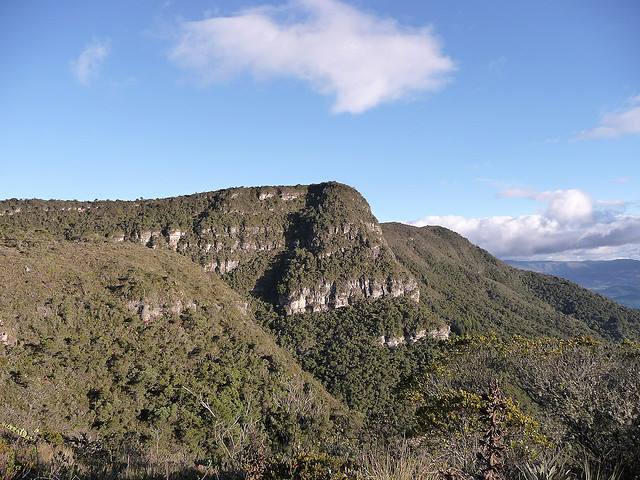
[(260, 237), (313, 248), (472, 289)]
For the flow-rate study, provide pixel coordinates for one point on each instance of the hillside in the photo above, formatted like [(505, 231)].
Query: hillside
[(318, 247), (285, 328), (302, 248), (475, 292), (616, 279), (132, 348)]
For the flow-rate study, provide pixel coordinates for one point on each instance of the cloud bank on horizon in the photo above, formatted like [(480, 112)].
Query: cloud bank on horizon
[(360, 59), (570, 226)]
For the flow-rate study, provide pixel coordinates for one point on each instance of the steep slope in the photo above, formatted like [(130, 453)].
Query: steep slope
[(142, 351), (304, 248), (364, 355), (616, 279), (474, 291)]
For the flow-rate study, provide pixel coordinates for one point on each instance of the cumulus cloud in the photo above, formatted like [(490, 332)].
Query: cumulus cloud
[(616, 124), (85, 68), (358, 58), (569, 226), (568, 206)]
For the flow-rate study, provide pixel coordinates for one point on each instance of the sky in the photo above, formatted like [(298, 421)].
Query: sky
[(516, 124)]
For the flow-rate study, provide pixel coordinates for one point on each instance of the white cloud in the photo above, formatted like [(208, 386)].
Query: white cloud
[(569, 226), (567, 206), (616, 124), (85, 67), (360, 59)]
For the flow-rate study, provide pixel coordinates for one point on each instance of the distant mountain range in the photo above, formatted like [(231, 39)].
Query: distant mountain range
[(616, 279)]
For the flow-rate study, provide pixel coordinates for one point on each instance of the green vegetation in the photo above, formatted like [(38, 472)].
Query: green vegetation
[(135, 350), (125, 355), (476, 292), (342, 349), (615, 279), (579, 395), (271, 241)]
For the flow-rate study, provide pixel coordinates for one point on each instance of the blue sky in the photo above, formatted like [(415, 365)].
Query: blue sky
[(459, 113)]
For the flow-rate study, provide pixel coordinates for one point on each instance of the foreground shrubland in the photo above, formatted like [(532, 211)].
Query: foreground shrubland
[(486, 408)]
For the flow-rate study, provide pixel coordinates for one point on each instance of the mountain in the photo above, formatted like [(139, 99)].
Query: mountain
[(474, 291), (616, 279), (318, 247), (122, 346), (282, 328), (304, 248)]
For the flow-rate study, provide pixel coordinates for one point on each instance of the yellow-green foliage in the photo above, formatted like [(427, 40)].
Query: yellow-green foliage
[(580, 393), (460, 411), (109, 337), (18, 431)]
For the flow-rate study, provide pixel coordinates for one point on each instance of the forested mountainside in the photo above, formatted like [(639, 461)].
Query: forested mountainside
[(318, 247), (282, 332), (305, 248), (474, 291), (616, 279), (143, 346)]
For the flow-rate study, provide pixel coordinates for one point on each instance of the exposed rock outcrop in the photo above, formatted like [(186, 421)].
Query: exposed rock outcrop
[(391, 342), (150, 310), (173, 237), (7, 339), (328, 295), (440, 333)]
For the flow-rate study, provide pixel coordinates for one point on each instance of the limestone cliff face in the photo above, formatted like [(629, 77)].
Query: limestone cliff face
[(334, 294), (305, 248), (440, 333)]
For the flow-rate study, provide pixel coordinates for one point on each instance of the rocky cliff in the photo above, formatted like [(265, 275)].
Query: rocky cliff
[(304, 248)]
